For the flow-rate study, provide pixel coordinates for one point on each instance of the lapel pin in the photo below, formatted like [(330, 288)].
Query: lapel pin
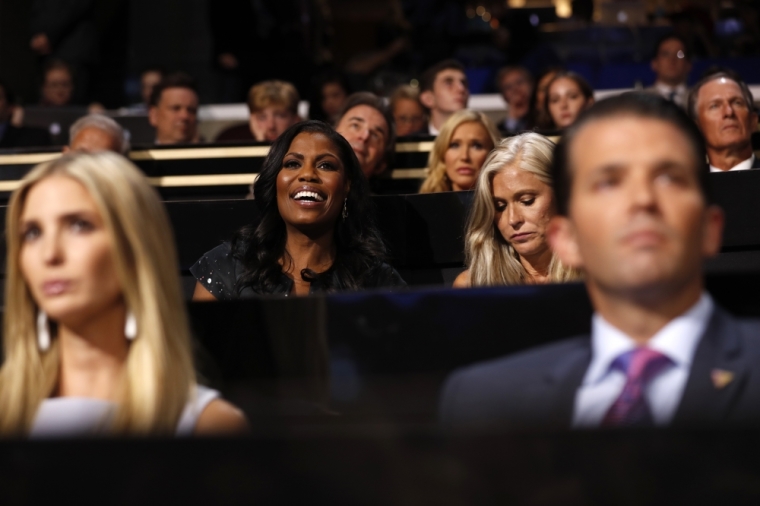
[(721, 378)]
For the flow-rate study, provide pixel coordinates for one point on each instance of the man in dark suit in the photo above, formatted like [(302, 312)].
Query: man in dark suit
[(723, 107), (17, 137), (634, 215)]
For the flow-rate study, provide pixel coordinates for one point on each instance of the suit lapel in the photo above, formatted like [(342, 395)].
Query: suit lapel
[(564, 379), (717, 374)]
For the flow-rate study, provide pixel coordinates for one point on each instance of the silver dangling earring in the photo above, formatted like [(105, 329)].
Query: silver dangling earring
[(130, 327), (345, 208), (43, 331)]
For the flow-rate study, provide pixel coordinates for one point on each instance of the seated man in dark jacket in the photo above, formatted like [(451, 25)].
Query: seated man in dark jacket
[(634, 215)]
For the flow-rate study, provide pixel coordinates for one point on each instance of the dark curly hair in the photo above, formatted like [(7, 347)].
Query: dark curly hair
[(359, 246)]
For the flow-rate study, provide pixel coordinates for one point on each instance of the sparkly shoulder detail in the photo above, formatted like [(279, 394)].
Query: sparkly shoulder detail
[(217, 271)]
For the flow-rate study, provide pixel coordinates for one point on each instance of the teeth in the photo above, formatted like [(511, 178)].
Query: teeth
[(305, 194)]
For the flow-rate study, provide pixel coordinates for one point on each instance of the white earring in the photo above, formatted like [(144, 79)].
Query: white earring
[(130, 327), (43, 331)]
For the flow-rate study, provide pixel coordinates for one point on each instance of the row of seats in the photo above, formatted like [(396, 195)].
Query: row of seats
[(425, 233), (225, 172)]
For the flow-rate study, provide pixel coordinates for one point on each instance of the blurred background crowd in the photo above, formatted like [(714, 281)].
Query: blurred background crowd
[(110, 52)]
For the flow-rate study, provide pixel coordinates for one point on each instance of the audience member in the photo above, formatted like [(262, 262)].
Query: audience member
[(634, 214), (66, 30), (174, 110), (316, 232), (723, 107), (567, 95), (408, 113), (516, 87), (367, 124), (672, 64), (57, 84), (542, 120), (149, 79), (12, 136), (459, 152), (443, 91), (96, 132), (506, 241), (274, 109), (329, 97), (95, 333)]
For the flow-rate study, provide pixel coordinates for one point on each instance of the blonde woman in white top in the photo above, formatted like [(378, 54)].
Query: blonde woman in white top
[(95, 335), (505, 242)]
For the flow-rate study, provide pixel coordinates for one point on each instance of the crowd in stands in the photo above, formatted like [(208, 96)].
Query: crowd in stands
[(612, 193)]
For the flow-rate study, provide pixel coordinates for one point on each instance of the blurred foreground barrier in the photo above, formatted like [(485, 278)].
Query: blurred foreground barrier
[(376, 357), (400, 466)]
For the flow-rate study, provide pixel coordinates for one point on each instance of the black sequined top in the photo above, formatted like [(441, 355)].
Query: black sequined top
[(218, 271)]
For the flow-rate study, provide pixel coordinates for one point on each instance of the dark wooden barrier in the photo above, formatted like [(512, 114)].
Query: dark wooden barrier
[(396, 466), (377, 355)]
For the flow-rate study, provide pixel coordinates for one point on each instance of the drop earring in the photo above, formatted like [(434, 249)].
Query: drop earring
[(43, 331), (130, 327), (345, 208)]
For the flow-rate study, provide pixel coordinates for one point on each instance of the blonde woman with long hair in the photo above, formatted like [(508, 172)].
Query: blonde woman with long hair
[(506, 242), (95, 335), (459, 152)]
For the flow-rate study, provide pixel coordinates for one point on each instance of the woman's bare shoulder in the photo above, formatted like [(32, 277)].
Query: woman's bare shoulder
[(221, 418), (463, 280)]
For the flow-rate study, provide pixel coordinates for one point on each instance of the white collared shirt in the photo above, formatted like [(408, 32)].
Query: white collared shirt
[(745, 165), (679, 92), (433, 130), (603, 384)]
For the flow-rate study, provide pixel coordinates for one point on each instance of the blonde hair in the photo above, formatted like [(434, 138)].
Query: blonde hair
[(490, 258), (159, 375), (436, 179), (269, 93)]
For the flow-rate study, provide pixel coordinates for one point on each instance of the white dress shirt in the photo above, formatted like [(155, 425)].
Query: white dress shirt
[(603, 384), (678, 94), (745, 165)]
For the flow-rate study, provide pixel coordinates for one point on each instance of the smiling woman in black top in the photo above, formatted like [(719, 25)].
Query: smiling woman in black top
[(316, 232)]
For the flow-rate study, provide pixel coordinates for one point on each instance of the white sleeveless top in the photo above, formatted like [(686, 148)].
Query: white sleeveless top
[(81, 416)]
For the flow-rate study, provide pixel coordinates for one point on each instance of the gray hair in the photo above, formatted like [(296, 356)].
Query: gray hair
[(105, 124), (691, 106)]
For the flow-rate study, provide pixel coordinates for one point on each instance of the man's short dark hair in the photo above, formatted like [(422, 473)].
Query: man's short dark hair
[(640, 105), (428, 77), (178, 80), (691, 102), (377, 103), (504, 71), (672, 36)]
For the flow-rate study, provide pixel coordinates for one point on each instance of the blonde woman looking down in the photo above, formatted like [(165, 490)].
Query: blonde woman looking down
[(506, 243), (95, 335), (459, 152)]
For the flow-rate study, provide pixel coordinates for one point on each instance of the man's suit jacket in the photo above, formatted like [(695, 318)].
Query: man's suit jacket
[(756, 165), (536, 389)]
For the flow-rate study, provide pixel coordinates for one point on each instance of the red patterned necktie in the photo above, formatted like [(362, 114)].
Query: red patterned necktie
[(640, 365)]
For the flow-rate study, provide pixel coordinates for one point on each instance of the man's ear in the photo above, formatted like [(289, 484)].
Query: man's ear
[(712, 238), (562, 240), (152, 116), (428, 99), (753, 121)]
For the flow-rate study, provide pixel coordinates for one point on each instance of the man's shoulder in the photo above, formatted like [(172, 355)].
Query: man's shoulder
[(536, 360), (516, 390)]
